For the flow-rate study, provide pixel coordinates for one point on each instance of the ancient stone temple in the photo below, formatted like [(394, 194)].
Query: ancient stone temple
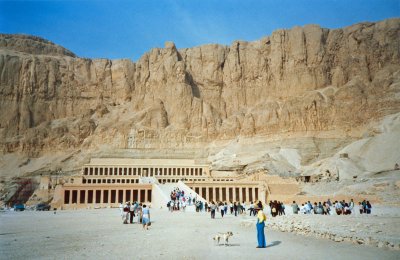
[(105, 182)]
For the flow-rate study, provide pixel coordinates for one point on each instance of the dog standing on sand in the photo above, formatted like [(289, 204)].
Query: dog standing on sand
[(224, 236)]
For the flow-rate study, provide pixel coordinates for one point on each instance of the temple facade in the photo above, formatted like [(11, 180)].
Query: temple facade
[(106, 182)]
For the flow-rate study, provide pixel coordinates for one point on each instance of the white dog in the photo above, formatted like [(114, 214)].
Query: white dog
[(224, 236)]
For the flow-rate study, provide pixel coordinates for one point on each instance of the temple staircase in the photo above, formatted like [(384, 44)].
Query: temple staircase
[(161, 194)]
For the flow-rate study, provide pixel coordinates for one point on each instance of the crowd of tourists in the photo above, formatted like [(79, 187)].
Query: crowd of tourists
[(326, 208), (131, 210), (277, 208), (234, 208), (179, 200)]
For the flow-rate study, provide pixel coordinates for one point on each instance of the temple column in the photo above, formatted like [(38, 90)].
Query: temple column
[(123, 196), (247, 194), (227, 193), (139, 196), (101, 196), (207, 194), (146, 199), (109, 197), (78, 199), (220, 193), (253, 194), (86, 196), (240, 194), (117, 198), (70, 196), (214, 195), (234, 194)]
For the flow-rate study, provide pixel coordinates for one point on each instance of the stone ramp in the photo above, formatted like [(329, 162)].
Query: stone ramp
[(167, 188), (161, 194), (188, 191), (181, 185)]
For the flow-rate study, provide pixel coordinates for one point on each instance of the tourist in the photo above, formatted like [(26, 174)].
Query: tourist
[(213, 207), (125, 213), (251, 208), (244, 208), (346, 209), (315, 208), (206, 207), (190, 199), (364, 206), (145, 217), (360, 208), (254, 209), (131, 212), (303, 209), (139, 213), (295, 207), (261, 218), (320, 208), (183, 205), (278, 208), (283, 209), (257, 207), (309, 207), (240, 209), (235, 208), (221, 209), (231, 207), (368, 207), (351, 206), (198, 205), (325, 209), (338, 208), (274, 207), (225, 208)]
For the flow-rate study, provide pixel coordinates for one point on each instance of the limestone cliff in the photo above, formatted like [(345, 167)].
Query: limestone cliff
[(305, 81)]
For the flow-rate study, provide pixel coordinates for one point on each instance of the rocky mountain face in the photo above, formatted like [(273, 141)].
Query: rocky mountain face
[(306, 82)]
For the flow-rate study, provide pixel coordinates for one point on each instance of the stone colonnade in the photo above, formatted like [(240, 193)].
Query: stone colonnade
[(228, 193), (106, 195), (144, 171)]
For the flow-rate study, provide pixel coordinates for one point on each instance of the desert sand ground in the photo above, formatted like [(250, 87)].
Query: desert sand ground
[(100, 234)]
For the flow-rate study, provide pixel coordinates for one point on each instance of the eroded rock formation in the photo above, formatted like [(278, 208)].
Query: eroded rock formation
[(308, 82)]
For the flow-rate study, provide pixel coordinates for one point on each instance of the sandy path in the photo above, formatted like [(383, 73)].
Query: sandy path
[(100, 234)]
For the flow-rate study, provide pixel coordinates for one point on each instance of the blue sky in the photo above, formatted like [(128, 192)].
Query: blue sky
[(128, 29)]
